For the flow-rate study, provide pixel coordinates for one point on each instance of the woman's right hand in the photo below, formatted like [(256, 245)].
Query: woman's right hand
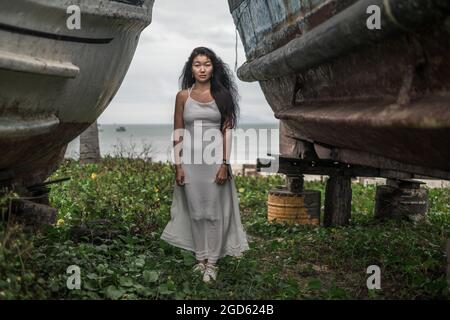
[(179, 176)]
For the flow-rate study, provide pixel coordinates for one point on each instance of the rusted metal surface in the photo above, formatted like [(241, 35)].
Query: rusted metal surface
[(384, 104), (414, 132), (55, 82)]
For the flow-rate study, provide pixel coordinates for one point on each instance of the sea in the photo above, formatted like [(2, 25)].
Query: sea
[(250, 141)]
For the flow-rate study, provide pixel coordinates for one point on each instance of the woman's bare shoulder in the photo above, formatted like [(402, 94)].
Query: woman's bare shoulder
[(182, 95)]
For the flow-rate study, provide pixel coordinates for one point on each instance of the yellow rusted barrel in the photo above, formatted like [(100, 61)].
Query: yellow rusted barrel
[(288, 207)]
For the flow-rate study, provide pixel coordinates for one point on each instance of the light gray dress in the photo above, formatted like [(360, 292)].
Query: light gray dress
[(205, 216)]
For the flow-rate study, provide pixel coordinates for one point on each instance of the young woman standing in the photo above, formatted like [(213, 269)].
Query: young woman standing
[(205, 215)]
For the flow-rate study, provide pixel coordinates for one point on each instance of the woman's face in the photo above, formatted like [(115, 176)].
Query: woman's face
[(202, 68)]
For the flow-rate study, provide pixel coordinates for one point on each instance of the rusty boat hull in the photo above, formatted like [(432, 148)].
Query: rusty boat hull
[(54, 81), (344, 92)]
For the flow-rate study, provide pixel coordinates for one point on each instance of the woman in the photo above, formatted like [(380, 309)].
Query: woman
[(205, 214)]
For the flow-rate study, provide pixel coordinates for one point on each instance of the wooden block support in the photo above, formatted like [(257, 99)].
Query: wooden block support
[(33, 216), (294, 183), (251, 167), (401, 199), (338, 201)]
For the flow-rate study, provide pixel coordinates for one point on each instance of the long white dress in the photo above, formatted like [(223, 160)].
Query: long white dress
[(205, 216)]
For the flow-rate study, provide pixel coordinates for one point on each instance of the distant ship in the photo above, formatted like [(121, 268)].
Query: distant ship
[(55, 82), (121, 129)]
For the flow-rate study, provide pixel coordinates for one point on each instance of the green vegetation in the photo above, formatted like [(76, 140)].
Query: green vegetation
[(285, 262)]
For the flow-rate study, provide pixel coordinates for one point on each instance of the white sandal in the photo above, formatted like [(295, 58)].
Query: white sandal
[(199, 267), (210, 273)]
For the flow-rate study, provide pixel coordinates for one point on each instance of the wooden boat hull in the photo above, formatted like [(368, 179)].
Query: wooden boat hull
[(55, 82), (347, 93)]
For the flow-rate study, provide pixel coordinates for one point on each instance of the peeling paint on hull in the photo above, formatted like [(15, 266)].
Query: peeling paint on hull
[(383, 103)]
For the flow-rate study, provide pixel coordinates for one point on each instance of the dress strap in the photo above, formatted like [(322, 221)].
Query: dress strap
[(189, 92)]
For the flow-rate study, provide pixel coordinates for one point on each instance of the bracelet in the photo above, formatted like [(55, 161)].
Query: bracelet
[(225, 162)]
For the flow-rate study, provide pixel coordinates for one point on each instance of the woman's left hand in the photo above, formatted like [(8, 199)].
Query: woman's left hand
[(222, 175)]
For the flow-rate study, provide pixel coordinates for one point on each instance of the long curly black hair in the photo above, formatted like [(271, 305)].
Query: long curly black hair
[(223, 87)]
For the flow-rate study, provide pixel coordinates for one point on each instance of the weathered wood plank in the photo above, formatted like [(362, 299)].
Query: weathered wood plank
[(338, 199), (33, 216), (401, 200)]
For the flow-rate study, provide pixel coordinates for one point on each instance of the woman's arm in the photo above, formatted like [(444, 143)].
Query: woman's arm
[(224, 172), (178, 128), (226, 132)]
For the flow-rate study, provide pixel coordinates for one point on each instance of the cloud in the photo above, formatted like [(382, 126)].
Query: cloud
[(147, 94)]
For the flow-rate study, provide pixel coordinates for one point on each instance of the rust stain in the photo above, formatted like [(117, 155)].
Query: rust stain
[(389, 99), (32, 159)]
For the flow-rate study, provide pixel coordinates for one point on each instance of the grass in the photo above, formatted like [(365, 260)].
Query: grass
[(285, 262)]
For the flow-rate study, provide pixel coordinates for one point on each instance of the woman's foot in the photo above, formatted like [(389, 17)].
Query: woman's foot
[(210, 273), (199, 267)]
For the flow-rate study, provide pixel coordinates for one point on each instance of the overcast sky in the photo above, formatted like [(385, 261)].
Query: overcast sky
[(147, 94)]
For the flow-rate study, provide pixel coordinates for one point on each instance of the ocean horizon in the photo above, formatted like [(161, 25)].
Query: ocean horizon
[(136, 139)]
